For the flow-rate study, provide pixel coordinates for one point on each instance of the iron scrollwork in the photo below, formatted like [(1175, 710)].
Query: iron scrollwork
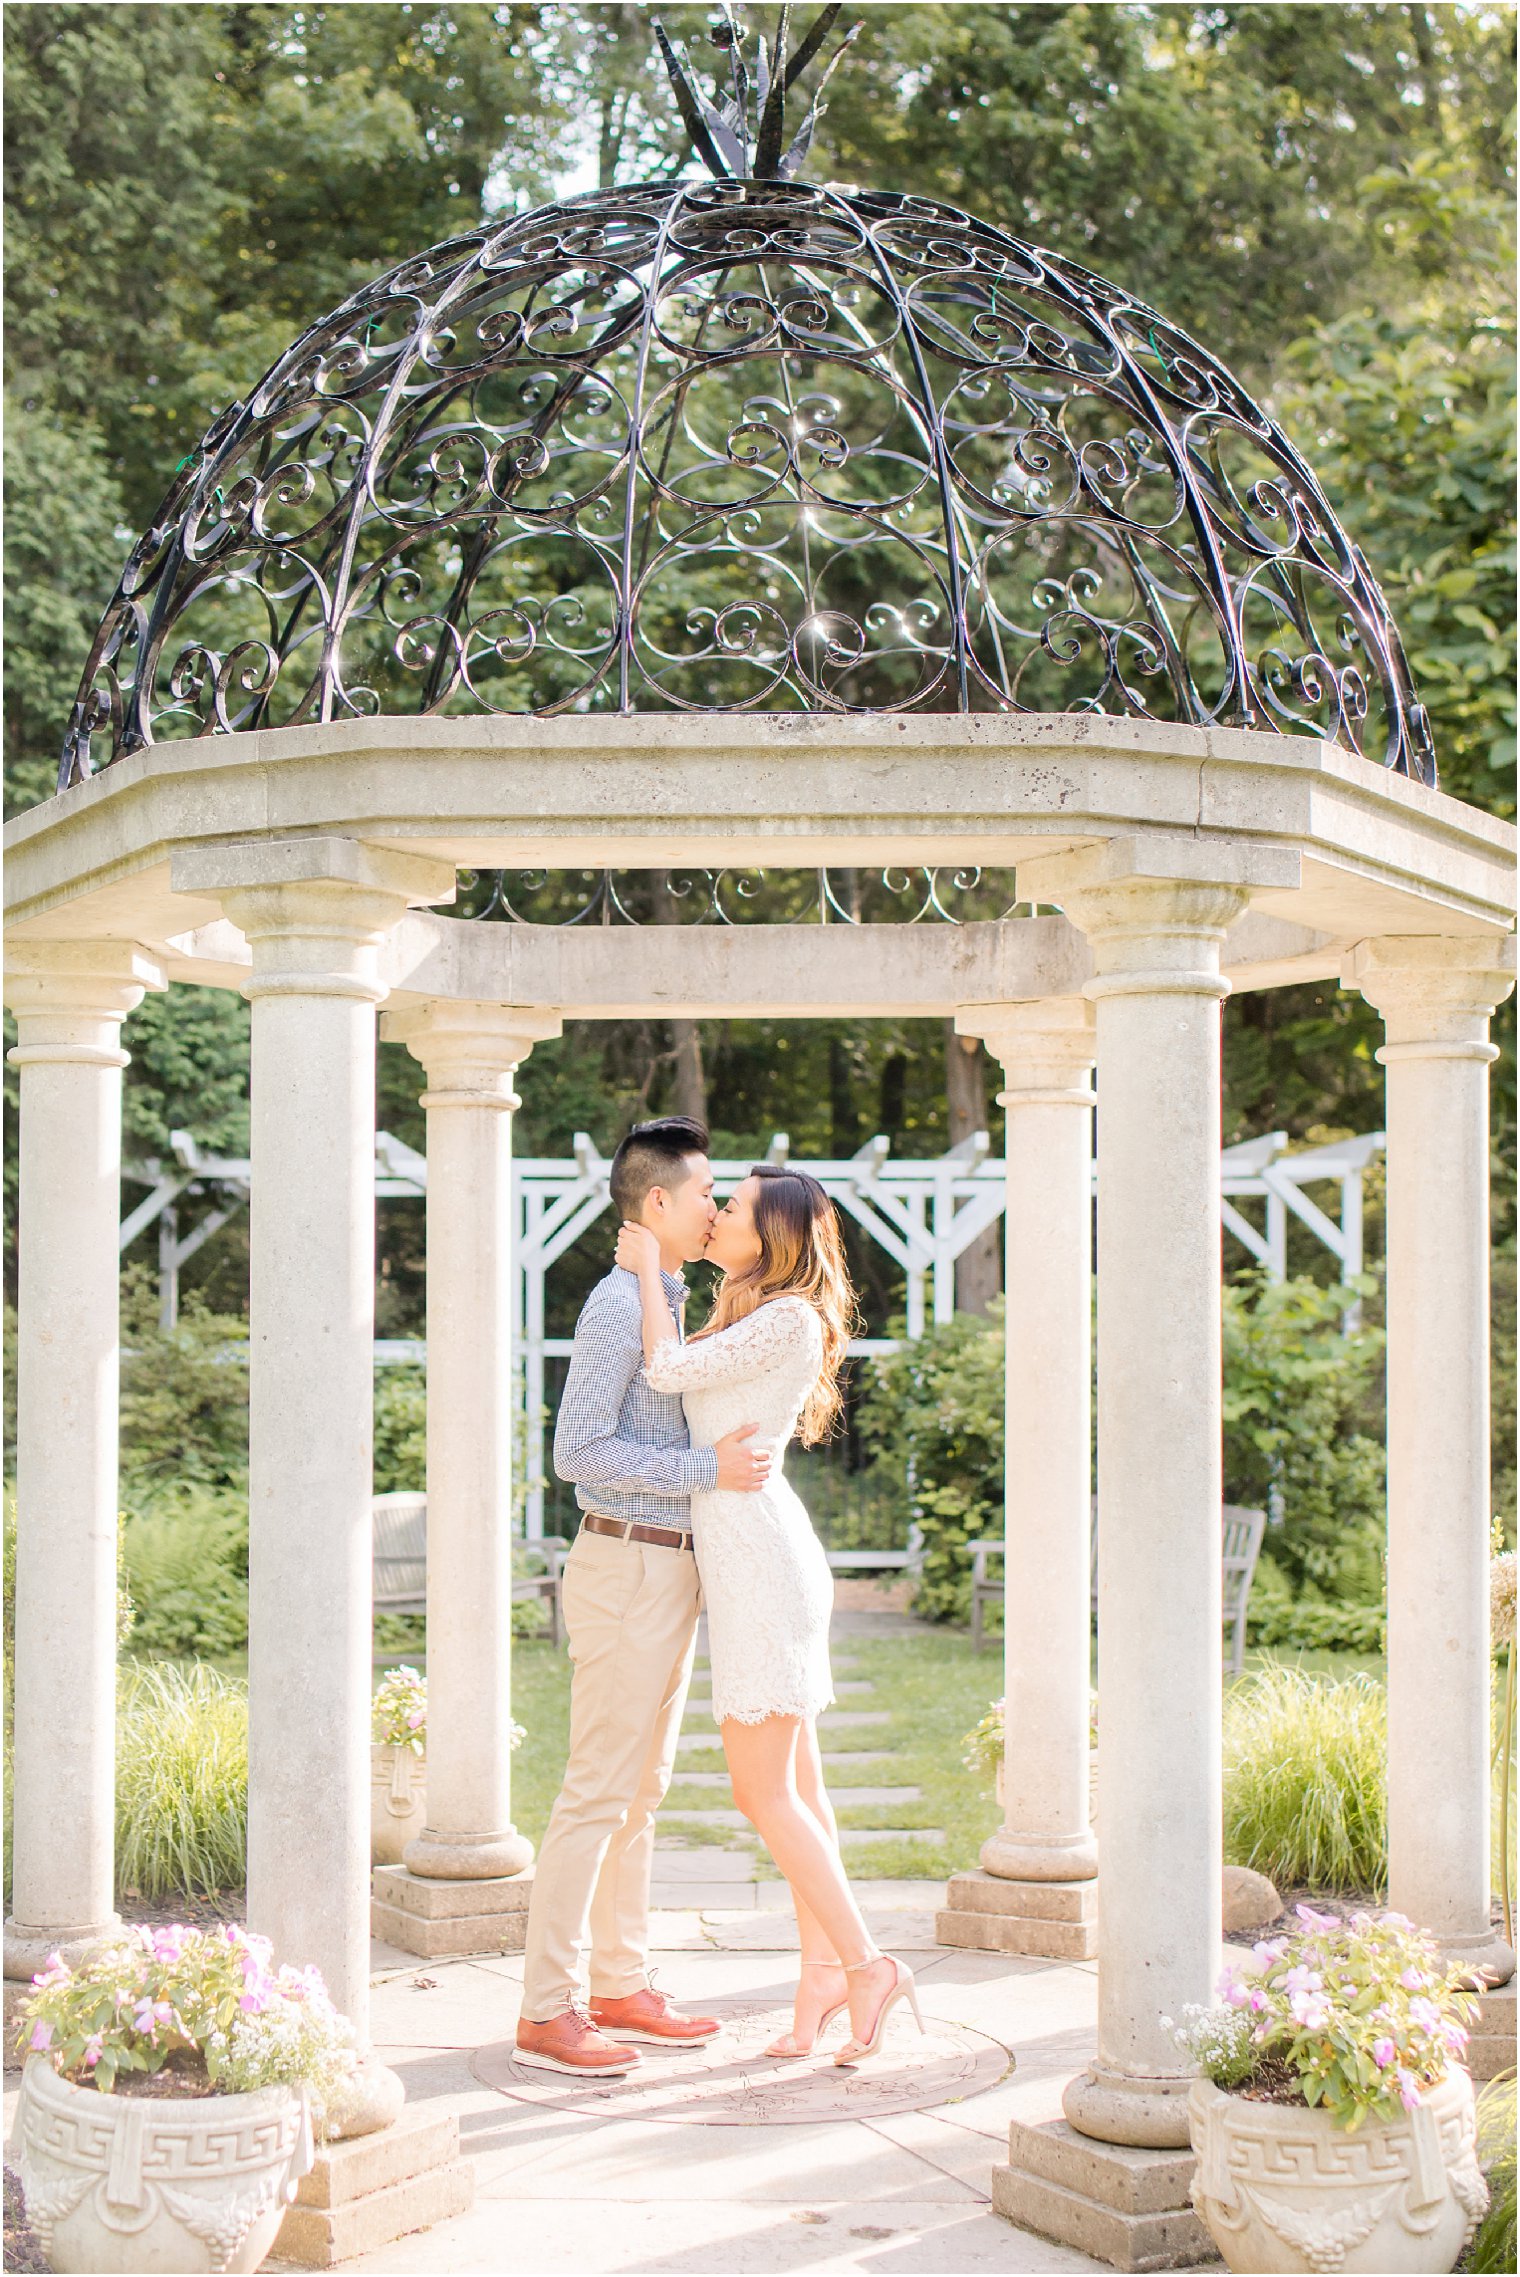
[(745, 444)]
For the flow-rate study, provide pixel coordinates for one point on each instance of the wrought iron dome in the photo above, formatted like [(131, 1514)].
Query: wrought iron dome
[(745, 444)]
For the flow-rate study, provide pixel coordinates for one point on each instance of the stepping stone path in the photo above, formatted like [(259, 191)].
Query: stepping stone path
[(699, 1750)]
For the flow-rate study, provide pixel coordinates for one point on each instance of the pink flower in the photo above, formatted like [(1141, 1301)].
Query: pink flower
[(1302, 1980), (1235, 1992), (1414, 1980), (1269, 1950), (1409, 2091), (417, 1717), (1383, 2051), (92, 2050), (1309, 2009), (1317, 1920), (1425, 2013), (1398, 1921), (1258, 2000), (42, 2037)]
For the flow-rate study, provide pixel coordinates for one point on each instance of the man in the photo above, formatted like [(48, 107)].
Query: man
[(631, 1600)]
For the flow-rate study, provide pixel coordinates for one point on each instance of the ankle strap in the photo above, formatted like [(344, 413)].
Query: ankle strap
[(869, 1962)]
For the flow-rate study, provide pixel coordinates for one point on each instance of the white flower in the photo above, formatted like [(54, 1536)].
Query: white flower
[(1501, 1599)]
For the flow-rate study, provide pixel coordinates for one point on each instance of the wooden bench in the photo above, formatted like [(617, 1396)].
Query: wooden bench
[(1241, 1535), (400, 1563), (910, 1560)]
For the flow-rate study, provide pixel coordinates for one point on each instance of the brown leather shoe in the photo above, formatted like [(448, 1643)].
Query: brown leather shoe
[(648, 2015), (571, 2042)]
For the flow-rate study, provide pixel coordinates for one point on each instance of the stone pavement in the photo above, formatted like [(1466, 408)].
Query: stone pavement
[(893, 2179)]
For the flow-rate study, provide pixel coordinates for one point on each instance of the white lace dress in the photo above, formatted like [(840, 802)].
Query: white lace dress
[(765, 1578)]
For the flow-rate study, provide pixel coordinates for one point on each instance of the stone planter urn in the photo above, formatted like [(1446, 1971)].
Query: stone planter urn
[(137, 2183), (1281, 2187), (397, 1801)]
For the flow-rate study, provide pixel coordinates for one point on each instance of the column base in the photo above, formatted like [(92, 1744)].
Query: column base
[(1125, 2206), (1056, 1921), (437, 1919), (468, 1857), (364, 2194), (28, 1949), (1486, 1957), (1143, 2111), (1492, 2046), (1025, 1858)]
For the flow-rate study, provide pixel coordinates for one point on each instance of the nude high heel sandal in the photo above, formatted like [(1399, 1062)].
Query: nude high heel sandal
[(788, 2049), (903, 1988)]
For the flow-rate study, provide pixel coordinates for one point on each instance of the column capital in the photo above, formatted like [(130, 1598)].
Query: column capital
[(70, 998), (1436, 992), (314, 910), (1046, 1048), (469, 1050), (1156, 907)]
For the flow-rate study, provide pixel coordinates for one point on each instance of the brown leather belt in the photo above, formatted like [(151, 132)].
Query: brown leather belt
[(625, 1530)]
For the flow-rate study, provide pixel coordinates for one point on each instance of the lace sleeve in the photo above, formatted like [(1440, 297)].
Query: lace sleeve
[(786, 1327)]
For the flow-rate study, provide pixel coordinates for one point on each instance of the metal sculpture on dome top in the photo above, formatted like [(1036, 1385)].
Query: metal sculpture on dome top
[(745, 444)]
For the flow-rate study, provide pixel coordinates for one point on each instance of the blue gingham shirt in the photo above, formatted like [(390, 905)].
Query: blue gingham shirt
[(623, 1446)]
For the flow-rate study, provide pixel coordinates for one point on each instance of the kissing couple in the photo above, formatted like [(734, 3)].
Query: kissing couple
[(675, 1450)]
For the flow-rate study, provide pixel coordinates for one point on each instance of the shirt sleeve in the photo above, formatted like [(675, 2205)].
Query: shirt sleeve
[(588, 1451), (785, 1328)]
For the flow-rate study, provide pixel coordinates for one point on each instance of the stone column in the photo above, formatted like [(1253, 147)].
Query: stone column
[(1036, 1893), (315, 912), (1155, 912), (1436, 996), (69, 998), (463, 1887)]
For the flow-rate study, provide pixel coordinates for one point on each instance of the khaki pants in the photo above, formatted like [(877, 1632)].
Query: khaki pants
[(631, 1619)]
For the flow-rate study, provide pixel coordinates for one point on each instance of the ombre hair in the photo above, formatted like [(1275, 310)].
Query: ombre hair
[(801, 1255)]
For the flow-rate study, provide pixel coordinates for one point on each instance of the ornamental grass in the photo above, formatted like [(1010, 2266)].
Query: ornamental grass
[(181, 1781), (1305, 1779)]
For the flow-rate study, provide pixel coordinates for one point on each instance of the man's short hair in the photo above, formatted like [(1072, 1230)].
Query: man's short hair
[(654, 1154)]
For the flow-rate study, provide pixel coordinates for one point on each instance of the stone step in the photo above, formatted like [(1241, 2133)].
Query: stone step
[(850, 1837), (851, 1719), (846, 1797), (703, 1699)]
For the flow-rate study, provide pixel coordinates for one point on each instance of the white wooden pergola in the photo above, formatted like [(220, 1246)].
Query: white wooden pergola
[(923, 1213), (312, 868)]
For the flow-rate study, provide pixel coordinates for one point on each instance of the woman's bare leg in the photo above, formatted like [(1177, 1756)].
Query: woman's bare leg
[(762, 1772), (823, 1984)]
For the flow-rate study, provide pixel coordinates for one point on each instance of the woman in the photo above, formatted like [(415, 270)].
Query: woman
[(771, 1355)]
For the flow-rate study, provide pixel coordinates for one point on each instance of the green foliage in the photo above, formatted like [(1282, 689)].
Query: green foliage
[(1307, 1624), (181, 1782), (1297, 1393), (185, 1555), (932, 1419), (184, 1396), (63, 518), (400, 1430), (189, 1072), (1305, 1779), (1299, 1396), (1494, 2246)]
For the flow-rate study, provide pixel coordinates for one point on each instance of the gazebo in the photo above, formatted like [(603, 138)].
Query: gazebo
[(735, 524)]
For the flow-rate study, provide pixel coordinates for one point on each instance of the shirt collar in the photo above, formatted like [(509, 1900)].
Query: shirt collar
[(675, 1287)]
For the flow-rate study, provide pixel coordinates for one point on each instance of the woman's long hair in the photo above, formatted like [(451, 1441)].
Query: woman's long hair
[(801, 1255)]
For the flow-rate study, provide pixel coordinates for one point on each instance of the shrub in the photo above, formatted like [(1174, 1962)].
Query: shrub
[(932, 1418), (181, 1782), (400, 1430), (1303, 1417), (185, 1555), (1305, 1779), (184, 1396), (1493, 2248), (1308, 1624)]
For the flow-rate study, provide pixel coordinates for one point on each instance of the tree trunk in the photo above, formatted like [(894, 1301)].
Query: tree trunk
[(688, 1090), (978, 1275)]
